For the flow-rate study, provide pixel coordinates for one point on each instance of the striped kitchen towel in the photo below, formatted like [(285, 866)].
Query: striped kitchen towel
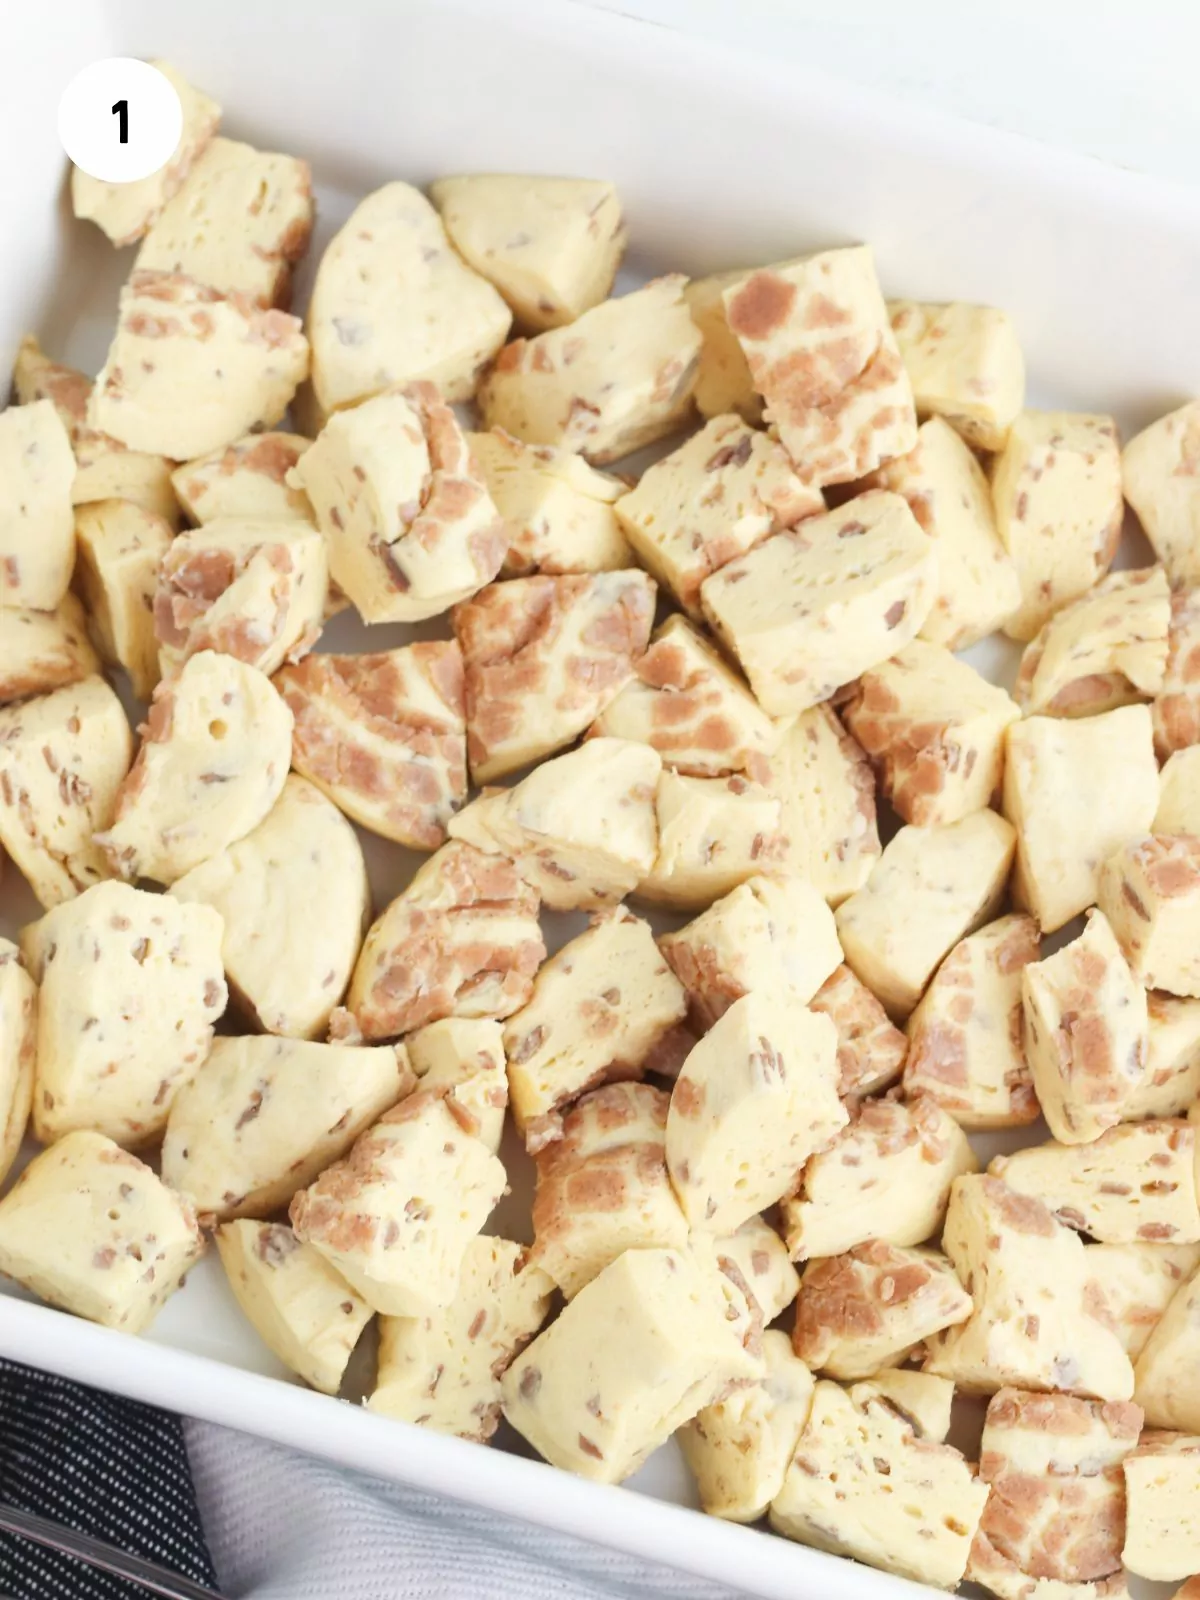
[(101, 1465)]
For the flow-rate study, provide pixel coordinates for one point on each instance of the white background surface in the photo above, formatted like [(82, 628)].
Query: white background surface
[(1113, 79)]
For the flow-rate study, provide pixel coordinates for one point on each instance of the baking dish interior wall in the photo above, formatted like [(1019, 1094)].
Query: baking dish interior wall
[(720, 160)]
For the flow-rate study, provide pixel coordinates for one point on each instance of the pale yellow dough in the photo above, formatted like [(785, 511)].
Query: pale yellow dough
[(947, 491), (598, 1008), (581, 828), (44, 650), (18, 1052), (393, 303), (935, 730), (1161, 471), (717, 495), (1075, 791), (410, 527), (396, 1216), (213, 760), (739, 1449), (89, 1228), (190, 370), (755, 1098), (37, 529), (1035, 1323), (444, 1370), (802, 619), (50, 808), (822, 354), (965, 365), (637, 1353), (239, 222), (929, 889), (264, 1116), (120, 545), (1056, 487), (297, 1304), (551, 246), (603, 1187), (619, 377), (287, 969), (1086, 1033), (125, 977), (916, 1519)]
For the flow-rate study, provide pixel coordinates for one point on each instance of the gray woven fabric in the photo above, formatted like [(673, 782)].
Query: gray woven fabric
[(286, 1527)]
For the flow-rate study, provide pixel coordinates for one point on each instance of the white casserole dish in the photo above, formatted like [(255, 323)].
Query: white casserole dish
[(721, 160)]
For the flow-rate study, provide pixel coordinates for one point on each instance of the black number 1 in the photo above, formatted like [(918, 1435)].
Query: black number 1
[(121, 110)]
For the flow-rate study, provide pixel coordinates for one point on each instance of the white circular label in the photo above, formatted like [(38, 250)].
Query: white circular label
[(120, 119)]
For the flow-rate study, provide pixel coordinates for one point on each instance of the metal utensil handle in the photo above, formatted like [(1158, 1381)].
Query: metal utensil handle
[(95, 1553)]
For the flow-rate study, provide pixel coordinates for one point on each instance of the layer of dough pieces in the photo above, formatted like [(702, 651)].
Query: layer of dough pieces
[(214, 757), (119, 547), (581, 829), (89, 1228), (822, 354), (37, 529), (618, 378), (190, 370), (814, 607), (63, 761), (130, 987), (239, 222), (551, 246), (444, 1370), (264, 1116), (45, 650), (288, 969), (410, 526), (255, 590), (383, 735), (462, 940), (393, 303)]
